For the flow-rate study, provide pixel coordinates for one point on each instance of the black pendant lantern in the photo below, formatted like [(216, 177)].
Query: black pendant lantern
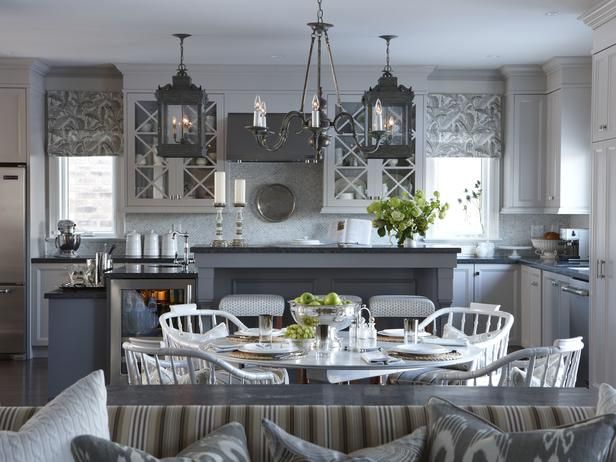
[(180, 110), (391, 113)]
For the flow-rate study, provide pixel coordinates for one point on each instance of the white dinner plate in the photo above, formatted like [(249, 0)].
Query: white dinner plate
[(422, 349), (399, 333), (269, 348), (254, 332)]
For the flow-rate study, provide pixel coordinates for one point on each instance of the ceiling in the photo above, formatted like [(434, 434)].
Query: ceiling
[(452, 33)]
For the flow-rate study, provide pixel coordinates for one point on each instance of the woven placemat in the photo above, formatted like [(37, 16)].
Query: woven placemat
[(452, 355), (385, 338), (251, 339), (245, 355)]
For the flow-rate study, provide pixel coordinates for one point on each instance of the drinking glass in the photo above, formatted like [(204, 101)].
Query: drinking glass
[(266, 324)]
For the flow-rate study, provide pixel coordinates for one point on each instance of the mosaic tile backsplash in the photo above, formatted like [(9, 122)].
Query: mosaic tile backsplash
[(306, 182)]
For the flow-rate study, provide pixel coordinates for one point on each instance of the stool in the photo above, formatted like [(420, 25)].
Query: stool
[(253, 305), (400, 306)]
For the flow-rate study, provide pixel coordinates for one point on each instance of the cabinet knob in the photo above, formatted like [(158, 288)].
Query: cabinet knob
[(555, 284), (534, 284), (602, 127), (550, 198), (477, 273)]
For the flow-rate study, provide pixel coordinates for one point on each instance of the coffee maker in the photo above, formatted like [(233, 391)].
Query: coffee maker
[(68, 241), (574, 244)]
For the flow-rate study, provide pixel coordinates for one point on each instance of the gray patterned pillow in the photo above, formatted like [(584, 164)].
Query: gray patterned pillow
[(456, 434), (607, 400), (225, 444), (288, 448)]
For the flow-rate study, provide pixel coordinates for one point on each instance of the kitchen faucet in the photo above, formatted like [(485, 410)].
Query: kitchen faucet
[(185, 261)]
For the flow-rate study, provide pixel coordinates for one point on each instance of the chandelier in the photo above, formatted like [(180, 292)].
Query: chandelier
[(180, 110), (391, 108), (317, 122)]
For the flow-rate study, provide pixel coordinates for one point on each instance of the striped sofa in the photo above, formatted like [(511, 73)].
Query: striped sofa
[(164, 430)]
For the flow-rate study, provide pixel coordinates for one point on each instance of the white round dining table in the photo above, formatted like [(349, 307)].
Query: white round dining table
[(345, 365)]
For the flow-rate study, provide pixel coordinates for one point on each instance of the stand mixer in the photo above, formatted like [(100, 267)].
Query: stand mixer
[(68, 241)]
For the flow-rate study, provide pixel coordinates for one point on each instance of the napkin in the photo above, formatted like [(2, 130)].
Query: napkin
[(378, 357), (460, 342)]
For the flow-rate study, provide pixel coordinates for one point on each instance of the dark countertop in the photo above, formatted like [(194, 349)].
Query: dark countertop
[(496, 260), (324, 249), (86, 292), (563, 268), (356, 394), (115, 258), (152, 271)]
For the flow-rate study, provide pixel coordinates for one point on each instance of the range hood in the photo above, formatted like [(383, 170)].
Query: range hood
[(242, 146)]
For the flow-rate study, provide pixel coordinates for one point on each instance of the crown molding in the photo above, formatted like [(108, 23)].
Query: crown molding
[(24, 64), (567, 62), (599, 14), (108, 71)]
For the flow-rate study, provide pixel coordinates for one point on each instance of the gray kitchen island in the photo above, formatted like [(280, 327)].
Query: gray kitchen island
[(362, 271)]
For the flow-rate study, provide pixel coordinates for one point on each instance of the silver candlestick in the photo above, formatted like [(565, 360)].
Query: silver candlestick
[(239, 240), (219, 241)]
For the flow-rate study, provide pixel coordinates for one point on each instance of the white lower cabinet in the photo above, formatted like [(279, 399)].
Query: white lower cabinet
[(490, 283), (45, 277), (530, 306)]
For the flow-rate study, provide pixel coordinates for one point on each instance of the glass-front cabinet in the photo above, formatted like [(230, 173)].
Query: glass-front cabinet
[(157, 184), (352, 182)]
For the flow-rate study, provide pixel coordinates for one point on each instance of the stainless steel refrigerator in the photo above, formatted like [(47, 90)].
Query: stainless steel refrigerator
[(12, 260)]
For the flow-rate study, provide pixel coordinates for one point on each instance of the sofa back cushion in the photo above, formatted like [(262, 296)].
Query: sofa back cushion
[(163, 431)]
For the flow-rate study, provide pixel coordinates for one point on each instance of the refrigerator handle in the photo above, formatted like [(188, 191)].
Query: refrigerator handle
[(5, 291)]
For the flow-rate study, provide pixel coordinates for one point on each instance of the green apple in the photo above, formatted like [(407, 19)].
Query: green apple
[(298, 300), (315, 303), (306, 298), (332, 298)]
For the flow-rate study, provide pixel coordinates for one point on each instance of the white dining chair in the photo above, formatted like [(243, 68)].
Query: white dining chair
[(177, 366), (548, 367), (187, 318), (487, 330), (484, 306)]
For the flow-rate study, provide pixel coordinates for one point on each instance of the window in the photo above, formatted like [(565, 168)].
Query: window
[(470, 216), (86, 194)]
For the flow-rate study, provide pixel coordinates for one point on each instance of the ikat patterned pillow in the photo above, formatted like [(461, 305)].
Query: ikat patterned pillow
[(456, 434)]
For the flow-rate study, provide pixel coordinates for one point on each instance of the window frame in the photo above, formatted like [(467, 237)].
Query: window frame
[(490, 176), (58, 198)]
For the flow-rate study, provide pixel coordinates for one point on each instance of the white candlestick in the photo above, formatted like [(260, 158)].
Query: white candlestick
[(377, 120), (240, 192), (415, 323), (316, 115), (219, 188)]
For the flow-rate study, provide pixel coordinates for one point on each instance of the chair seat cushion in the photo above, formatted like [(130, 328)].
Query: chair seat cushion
[(456, 434), (288, 448)]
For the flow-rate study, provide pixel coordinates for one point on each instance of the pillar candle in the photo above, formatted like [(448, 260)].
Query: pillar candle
[(240, 192), (377, 118), (315, 121), (219, 188)]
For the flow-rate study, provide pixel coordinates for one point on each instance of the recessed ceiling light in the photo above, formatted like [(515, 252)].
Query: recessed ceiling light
[(275, 57), (552, 13), (493, 56)]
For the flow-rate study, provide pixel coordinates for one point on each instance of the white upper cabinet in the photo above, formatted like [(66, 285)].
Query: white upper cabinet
[(524, 160), (156, 184), (352, 182), (13, 147), (604, 95), (547, 139)]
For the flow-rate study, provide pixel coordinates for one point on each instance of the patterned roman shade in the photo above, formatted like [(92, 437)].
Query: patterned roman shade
[(460, 125), (84, 123)]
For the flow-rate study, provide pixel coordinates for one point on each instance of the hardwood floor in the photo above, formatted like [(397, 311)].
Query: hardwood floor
[(23, 383)]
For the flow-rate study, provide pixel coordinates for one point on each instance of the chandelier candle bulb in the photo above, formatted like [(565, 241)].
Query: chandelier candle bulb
[(377, 122), (315, 122), (219, 189), (263, 114), (240, 192), (256, 118)]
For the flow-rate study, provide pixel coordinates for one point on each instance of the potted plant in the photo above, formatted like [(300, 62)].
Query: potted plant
[(407, 216)]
